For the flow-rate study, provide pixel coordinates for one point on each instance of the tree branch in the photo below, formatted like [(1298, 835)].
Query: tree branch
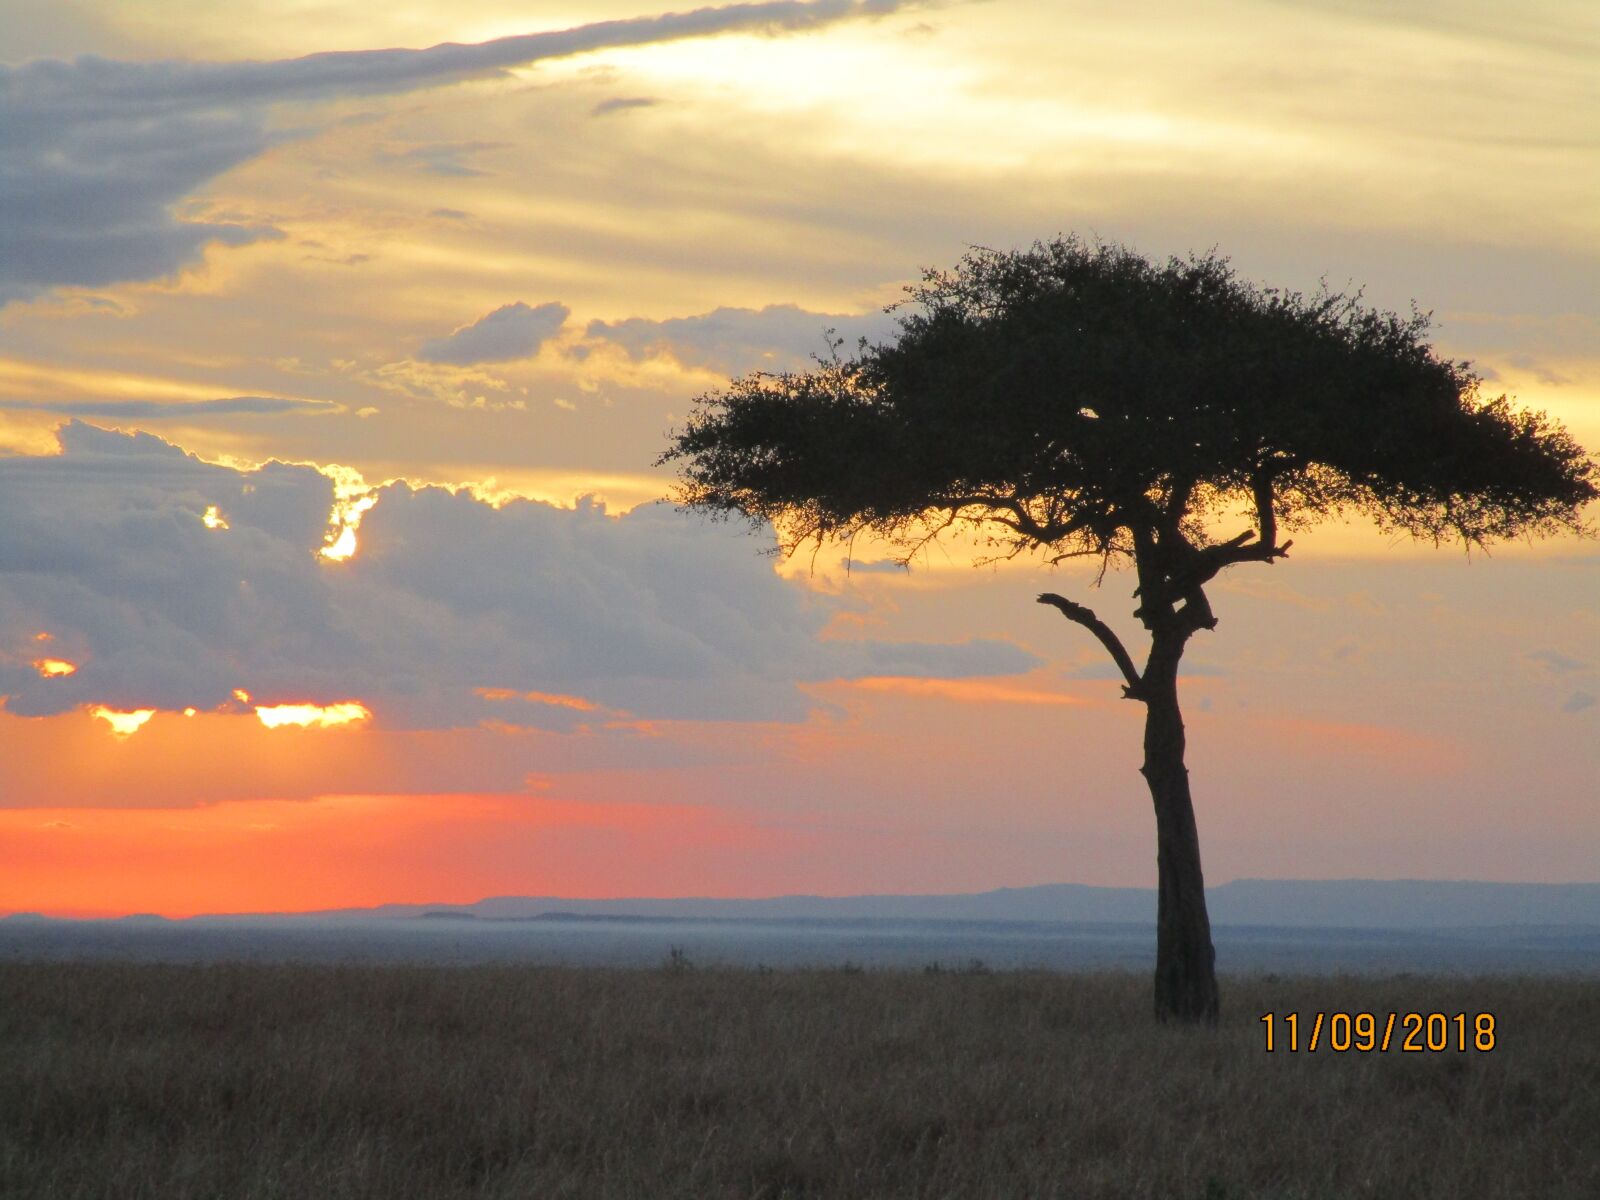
[(1209, 562), (1022, 522), (1239, 549), (1178, 570), (1080, 615)]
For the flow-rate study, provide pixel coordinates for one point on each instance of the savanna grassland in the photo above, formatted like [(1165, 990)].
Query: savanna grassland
[(235, 1082)]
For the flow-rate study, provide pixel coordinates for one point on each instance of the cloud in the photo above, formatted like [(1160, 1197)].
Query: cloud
[(1476, 22), (95, 153), (448, 603), (1578, 701), (442, 158), (1556, 662), (960, 660), (509, 332), (622, 104), (734, 340), (160, 410), (1544, 374), (967, 691)]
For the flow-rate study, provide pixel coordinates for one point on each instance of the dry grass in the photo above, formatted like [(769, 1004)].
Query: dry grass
[(417, 1083)]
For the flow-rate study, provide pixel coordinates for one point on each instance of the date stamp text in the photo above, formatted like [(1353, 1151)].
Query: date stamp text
[(1365, 1032)]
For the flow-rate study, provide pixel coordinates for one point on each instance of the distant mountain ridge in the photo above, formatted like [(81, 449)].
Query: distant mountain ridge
[(1330, 903)]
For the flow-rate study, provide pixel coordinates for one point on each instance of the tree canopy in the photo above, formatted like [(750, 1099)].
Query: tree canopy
[(1067, 396)]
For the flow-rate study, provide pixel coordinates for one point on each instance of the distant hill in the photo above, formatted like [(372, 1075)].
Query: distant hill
[(1303, 927), (1330, 903), (1404, 903)]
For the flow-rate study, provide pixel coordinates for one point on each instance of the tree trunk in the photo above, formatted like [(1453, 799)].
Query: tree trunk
[(1186, 980)]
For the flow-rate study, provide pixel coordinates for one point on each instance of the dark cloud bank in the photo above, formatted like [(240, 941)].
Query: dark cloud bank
[(656, 613)]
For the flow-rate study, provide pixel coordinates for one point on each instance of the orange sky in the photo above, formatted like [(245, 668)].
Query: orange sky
[(400, 345)]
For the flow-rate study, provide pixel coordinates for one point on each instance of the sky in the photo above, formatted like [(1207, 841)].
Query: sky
[(338, 341)]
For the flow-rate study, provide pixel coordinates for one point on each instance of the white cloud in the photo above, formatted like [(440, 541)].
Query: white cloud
[(654, 613), (95, 153), (509, 332)]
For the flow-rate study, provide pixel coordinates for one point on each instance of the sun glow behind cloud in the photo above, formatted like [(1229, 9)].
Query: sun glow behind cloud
[(54, 668), (275, 716), (352, 498), (932, 104), (123, 724)]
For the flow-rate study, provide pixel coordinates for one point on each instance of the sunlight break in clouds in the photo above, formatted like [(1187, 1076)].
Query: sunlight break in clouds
[(53, 668), (304, 715), (123, 724), (346, 519), (353, 498)]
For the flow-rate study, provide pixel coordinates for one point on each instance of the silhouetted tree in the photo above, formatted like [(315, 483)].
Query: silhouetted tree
[(1080, 400)]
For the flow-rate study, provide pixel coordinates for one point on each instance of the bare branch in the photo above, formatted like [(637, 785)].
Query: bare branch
[(931, 535), (1242, 548), (1080, 615)]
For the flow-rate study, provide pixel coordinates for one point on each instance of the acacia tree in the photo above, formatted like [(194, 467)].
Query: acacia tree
[(1077, 399)]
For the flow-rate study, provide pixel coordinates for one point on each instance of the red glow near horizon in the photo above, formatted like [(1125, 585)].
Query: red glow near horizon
[(352, 851)]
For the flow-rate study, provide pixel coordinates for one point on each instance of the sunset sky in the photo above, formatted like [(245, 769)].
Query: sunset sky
[(333, 367)]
